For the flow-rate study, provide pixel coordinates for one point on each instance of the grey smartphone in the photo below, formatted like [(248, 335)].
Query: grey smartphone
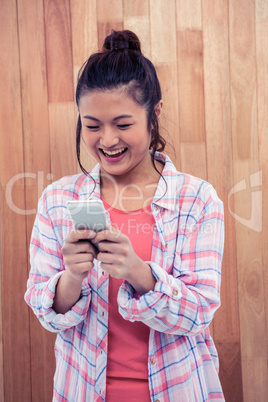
[(88, 214)]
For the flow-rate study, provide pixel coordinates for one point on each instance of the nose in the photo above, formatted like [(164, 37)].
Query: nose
[(108, 138)]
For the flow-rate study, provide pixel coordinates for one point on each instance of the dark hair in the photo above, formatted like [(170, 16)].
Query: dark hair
[(121, 63)]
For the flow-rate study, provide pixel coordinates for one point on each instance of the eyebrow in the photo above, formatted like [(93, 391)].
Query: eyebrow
[(122, 116)]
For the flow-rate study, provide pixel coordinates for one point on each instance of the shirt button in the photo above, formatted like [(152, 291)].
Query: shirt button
[(157, 400), (166, 245), (153, 361), (175, 292), (155, 207)]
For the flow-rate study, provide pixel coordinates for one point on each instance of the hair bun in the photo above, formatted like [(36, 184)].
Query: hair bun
[(119, 40)]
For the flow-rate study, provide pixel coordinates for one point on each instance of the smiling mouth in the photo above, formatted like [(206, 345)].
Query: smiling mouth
[(115, 153)]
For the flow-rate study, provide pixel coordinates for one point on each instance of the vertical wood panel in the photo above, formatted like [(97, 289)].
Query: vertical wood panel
[(58, 51), (1, 303), (84, 43), (220, 174), (15, 315), (164, 57), (109, 16), (36, 165), (262, 102), (245, 151), (163, 31), (191, 88), (137, 19), (62, 132)]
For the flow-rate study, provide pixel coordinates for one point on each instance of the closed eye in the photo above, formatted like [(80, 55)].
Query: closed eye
[(124, 126), (92, 127)]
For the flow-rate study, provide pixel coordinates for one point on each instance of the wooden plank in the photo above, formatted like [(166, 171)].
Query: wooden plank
[(193, 155), (62, 139), (16, 342), (246, 163), (10, 110), (44, 364), (231, 373), (163, 31), (84, 43), (84, 31), (137, 19), (189, 14), (58, 51), (218, 135), (15, 315), (109, 16), (261, 13), (1, 306), (220, 174), (169, 121), (191, 85), (34, 86), (37, 166)]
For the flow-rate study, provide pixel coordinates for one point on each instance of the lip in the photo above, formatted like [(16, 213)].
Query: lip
[(111, 159)]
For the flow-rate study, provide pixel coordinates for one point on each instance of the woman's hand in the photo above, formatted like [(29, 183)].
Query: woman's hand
[(78, 253), (118, 258)]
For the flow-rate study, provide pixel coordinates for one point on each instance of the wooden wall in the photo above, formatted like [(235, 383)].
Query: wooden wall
[(212, 60)]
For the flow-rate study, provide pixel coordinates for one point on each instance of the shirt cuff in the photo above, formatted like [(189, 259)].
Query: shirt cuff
[(138, 308), (54, 321)]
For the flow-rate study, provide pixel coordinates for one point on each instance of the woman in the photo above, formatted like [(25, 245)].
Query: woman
[(132, 315)]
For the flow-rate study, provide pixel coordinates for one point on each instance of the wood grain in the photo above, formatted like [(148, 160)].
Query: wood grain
[(62, 137), (250, 271), (15, 337), (220, 167), (169, 121), (163, 31), (109, 16), (58, 51), (191, 86), (136, 18), (1, 306), (261, 13)]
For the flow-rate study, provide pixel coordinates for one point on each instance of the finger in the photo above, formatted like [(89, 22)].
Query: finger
[(112, 235), (109, 247), (81, 246), (76, 235), (81, 267), (84, 246), (74, 259)]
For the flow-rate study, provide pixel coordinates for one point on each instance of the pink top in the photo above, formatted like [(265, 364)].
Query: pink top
[(127, 366)]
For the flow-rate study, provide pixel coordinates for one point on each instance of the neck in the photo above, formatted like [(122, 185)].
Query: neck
[(149, 176)]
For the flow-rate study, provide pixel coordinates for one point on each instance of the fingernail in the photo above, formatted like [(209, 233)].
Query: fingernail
[(91, 234)]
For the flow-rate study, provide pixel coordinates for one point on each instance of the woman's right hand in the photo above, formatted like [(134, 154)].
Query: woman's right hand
[(78, 253)]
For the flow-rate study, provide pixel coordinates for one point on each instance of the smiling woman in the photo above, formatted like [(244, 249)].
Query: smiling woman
[(132, 315)]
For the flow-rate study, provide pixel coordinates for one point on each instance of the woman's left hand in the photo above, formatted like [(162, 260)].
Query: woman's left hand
[(118, 258)]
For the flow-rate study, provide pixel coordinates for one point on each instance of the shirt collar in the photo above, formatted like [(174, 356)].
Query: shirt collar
[(167, 189)]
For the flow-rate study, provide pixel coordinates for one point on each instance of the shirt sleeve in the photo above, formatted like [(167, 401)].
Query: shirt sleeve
[(46, 269), (185, 301)]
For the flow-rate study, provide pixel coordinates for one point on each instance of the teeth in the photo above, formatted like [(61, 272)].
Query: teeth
[(117, 151)]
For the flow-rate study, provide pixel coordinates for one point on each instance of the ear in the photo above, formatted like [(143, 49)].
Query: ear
[(158, 108)]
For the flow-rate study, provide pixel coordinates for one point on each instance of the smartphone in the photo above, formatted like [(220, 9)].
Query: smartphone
[(88, 214)]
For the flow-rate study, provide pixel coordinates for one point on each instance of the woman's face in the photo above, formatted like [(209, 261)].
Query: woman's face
[(115, 131)]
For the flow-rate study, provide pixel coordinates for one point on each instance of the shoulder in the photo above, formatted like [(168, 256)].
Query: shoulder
[(66, 186), (187, 192), (76, 186)]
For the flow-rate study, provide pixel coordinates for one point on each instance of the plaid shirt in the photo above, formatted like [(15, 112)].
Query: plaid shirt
[(186, 261)]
